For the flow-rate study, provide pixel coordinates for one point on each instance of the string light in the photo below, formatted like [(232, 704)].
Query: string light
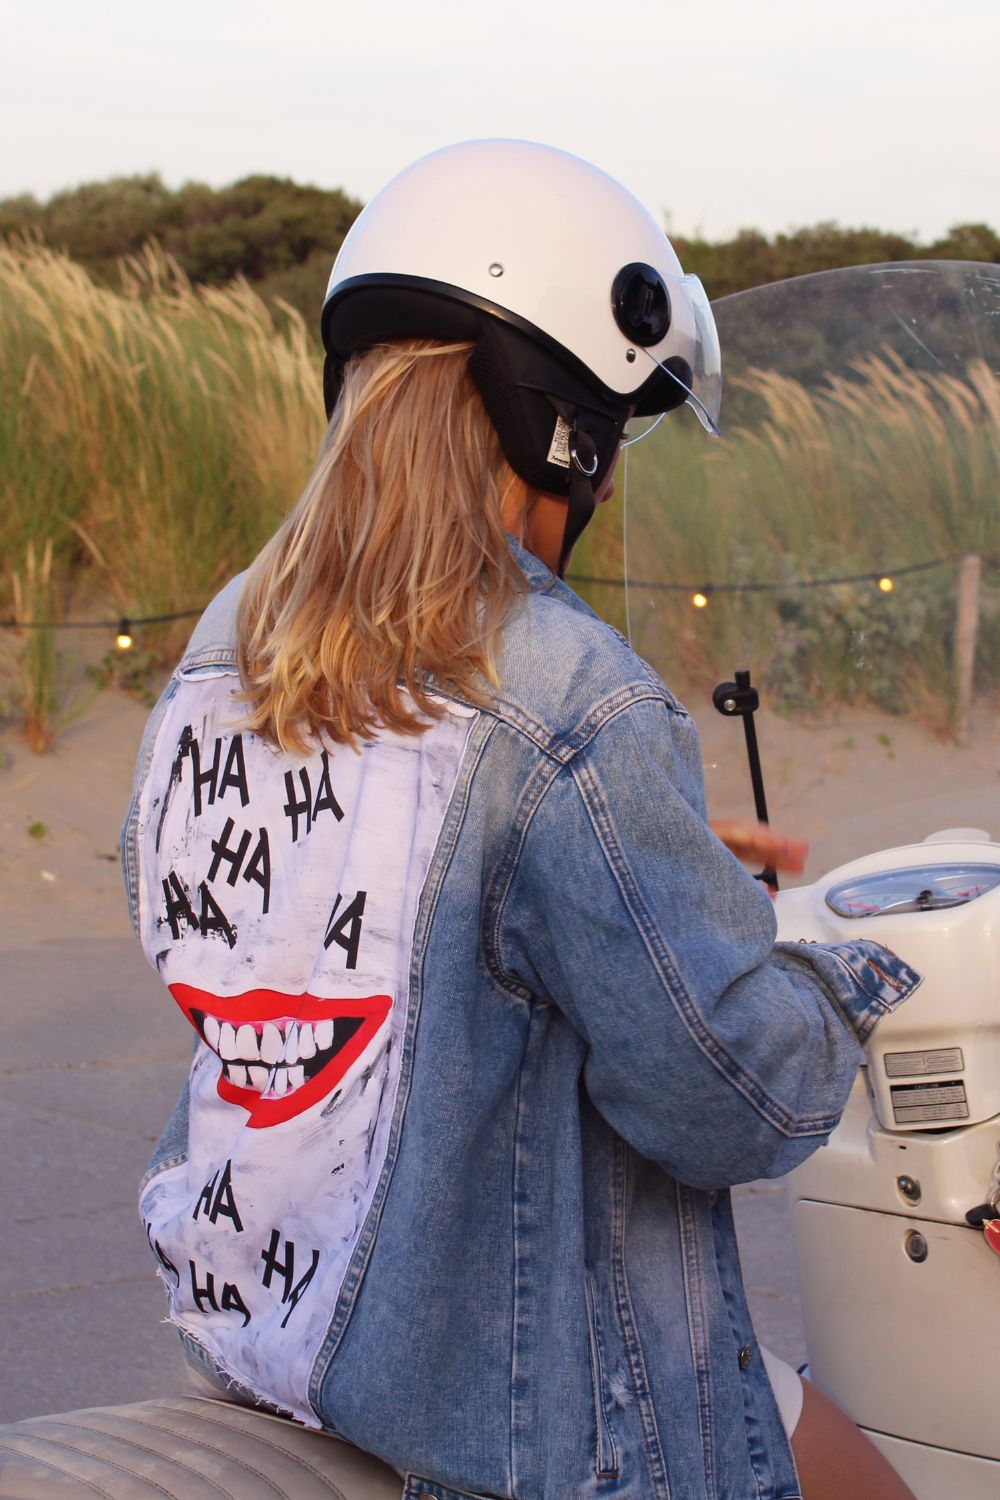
[(699, 597), (123, 626)]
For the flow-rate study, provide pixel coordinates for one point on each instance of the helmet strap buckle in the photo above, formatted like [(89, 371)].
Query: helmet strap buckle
[(583, 453)]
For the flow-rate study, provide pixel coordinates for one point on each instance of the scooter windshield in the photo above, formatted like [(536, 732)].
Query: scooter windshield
[(841, 543)]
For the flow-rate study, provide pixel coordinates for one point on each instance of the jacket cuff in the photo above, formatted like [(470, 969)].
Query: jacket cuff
[(864, 980)]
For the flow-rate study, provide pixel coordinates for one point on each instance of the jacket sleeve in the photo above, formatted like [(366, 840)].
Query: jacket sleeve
[(709, 1049)]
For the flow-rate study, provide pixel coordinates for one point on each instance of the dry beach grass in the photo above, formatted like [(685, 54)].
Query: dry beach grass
[(150, 438)]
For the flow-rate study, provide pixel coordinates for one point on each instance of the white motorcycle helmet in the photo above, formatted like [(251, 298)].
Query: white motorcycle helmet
[(577, 304)]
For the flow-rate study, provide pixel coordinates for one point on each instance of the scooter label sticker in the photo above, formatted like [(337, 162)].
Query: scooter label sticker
[(919, 1064), (929, 1101)]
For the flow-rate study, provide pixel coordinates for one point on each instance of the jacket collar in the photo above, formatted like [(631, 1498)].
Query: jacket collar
[(541, 579)]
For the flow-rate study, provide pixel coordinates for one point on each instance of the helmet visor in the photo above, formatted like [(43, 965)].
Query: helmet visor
[(706, 365), (693, 373)]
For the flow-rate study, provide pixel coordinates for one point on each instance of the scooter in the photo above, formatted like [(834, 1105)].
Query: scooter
[(897, 1218), (893, 1217)]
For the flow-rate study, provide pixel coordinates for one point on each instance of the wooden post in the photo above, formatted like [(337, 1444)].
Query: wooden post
[(970, 570)]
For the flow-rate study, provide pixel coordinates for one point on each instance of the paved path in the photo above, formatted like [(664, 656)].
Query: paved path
[(91, 1064), (93, 1057)]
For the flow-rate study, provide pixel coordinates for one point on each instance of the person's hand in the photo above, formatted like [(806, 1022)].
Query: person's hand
[(757, 842)]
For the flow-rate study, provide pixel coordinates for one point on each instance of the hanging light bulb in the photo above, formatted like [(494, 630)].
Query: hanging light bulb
[(700, 599), (886, 585), (123, 640)]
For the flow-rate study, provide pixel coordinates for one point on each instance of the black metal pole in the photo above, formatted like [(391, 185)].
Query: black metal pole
[(740, 698)]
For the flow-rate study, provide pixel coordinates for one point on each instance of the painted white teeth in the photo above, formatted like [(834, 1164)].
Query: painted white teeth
[(249, 1056), (271, 1044), (246, 1044)]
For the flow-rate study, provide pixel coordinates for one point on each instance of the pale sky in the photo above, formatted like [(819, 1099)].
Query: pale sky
[(719, 115)]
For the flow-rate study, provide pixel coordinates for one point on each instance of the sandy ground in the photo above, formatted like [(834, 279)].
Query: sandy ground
[(858, 782), (93, 1054)]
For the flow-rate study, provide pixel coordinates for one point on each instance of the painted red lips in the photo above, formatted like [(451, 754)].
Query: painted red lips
[(281, 1053)]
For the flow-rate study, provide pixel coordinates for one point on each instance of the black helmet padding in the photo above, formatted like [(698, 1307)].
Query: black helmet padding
[(519, 373), (552, 416)]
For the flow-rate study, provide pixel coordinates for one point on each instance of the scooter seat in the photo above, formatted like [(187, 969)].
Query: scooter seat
[(183, 1448)]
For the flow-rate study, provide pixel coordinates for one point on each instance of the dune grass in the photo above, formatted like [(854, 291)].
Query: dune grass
[(151, 437), (875, 471)]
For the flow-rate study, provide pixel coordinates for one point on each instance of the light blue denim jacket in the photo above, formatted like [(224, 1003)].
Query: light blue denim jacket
[(544, 1300)]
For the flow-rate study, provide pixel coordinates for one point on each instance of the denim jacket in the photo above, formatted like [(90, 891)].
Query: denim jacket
[(487, 1023)]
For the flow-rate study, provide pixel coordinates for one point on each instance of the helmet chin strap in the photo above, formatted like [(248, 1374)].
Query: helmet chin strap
[(580, 507), (581, 501)]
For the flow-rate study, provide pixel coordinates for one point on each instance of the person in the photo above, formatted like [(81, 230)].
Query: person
[(488, 1020)]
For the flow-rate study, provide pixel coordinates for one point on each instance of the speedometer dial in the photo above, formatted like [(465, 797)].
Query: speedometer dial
[(915, 888)]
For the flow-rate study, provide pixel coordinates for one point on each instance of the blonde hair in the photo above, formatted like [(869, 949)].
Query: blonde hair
[(393, 571)]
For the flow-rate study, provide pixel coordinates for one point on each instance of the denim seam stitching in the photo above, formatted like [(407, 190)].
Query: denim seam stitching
[(630, 1336), (440, 862), (893, 984), (506, 867), (691, 1271), (128, 841), (563, 748), (862, 1022), (741, 1330), (898, 986), (721, 1059), (415, 1485), (208, 656), (606, 1466), (503, 877), (167, 1165), (867, 1019), (517, 1287)]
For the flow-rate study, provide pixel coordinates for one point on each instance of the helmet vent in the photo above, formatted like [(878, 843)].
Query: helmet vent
[(641, 304)]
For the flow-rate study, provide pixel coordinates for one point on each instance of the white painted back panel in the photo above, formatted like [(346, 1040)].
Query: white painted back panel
[(278, 896)]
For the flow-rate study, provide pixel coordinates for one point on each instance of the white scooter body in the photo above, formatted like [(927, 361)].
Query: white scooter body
[(900, 1296)]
